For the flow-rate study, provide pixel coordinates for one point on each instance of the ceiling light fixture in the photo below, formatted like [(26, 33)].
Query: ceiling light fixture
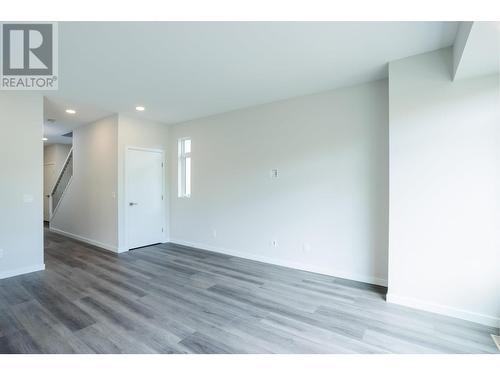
[(140, 108), (45, 139), (71, 111)]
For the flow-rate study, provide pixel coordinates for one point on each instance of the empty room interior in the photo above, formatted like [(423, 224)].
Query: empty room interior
[(253, 187)]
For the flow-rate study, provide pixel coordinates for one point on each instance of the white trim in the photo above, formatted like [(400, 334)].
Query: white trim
[(125, 247), (102, 245), (182, 155), (122, 249), (285, 263), (49, 204), (158, 150), (471, 316), (22, 271)]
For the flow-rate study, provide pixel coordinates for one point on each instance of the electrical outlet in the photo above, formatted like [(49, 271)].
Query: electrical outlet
[(274, 243), (214, 233)]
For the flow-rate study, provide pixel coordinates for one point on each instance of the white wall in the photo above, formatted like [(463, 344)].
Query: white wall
[(21, 195), (444, 253), (57, 154), (328, 208), (93, 208), (133, 132), (89, 210)]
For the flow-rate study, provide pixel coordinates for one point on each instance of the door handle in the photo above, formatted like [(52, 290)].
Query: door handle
[(133, 203)]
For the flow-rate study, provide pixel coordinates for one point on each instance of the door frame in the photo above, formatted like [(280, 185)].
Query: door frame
[(43, 190), (126, 193)]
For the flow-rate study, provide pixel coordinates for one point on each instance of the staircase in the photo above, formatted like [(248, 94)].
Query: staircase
[(62, 183)]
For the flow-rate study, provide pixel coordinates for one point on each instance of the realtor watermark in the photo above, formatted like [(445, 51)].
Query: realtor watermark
[(29, 56)]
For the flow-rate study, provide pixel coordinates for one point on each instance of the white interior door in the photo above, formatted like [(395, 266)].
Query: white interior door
[(144, 192), (49, 176)]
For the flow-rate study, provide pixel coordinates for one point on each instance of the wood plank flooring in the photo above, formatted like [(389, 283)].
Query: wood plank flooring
[(174, 299)]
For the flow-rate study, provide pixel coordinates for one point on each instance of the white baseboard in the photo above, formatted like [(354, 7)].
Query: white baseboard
[(122, 249), (21, 271), (284, 263), (102, 245), (471, 316)]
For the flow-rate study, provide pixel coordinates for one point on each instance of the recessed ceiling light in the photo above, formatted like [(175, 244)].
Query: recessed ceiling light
[(140, 108), (71, 111), (45, 139)]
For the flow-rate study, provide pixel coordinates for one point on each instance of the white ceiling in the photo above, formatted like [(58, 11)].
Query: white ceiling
[(55, 108), (186, 70)]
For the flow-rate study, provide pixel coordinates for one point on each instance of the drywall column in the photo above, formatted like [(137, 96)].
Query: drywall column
[(21, 182), (444, 229), (88, 210)]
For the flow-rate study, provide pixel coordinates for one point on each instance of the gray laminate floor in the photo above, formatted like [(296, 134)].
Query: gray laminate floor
[(173, 299)]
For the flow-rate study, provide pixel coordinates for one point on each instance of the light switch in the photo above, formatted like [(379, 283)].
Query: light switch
[(28, 198), (274, 173)]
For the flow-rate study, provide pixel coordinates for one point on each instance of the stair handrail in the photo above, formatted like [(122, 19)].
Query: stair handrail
[(52, 210), (59, 176)]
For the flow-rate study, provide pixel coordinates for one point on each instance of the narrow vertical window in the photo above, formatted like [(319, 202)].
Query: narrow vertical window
[(184, 170)]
